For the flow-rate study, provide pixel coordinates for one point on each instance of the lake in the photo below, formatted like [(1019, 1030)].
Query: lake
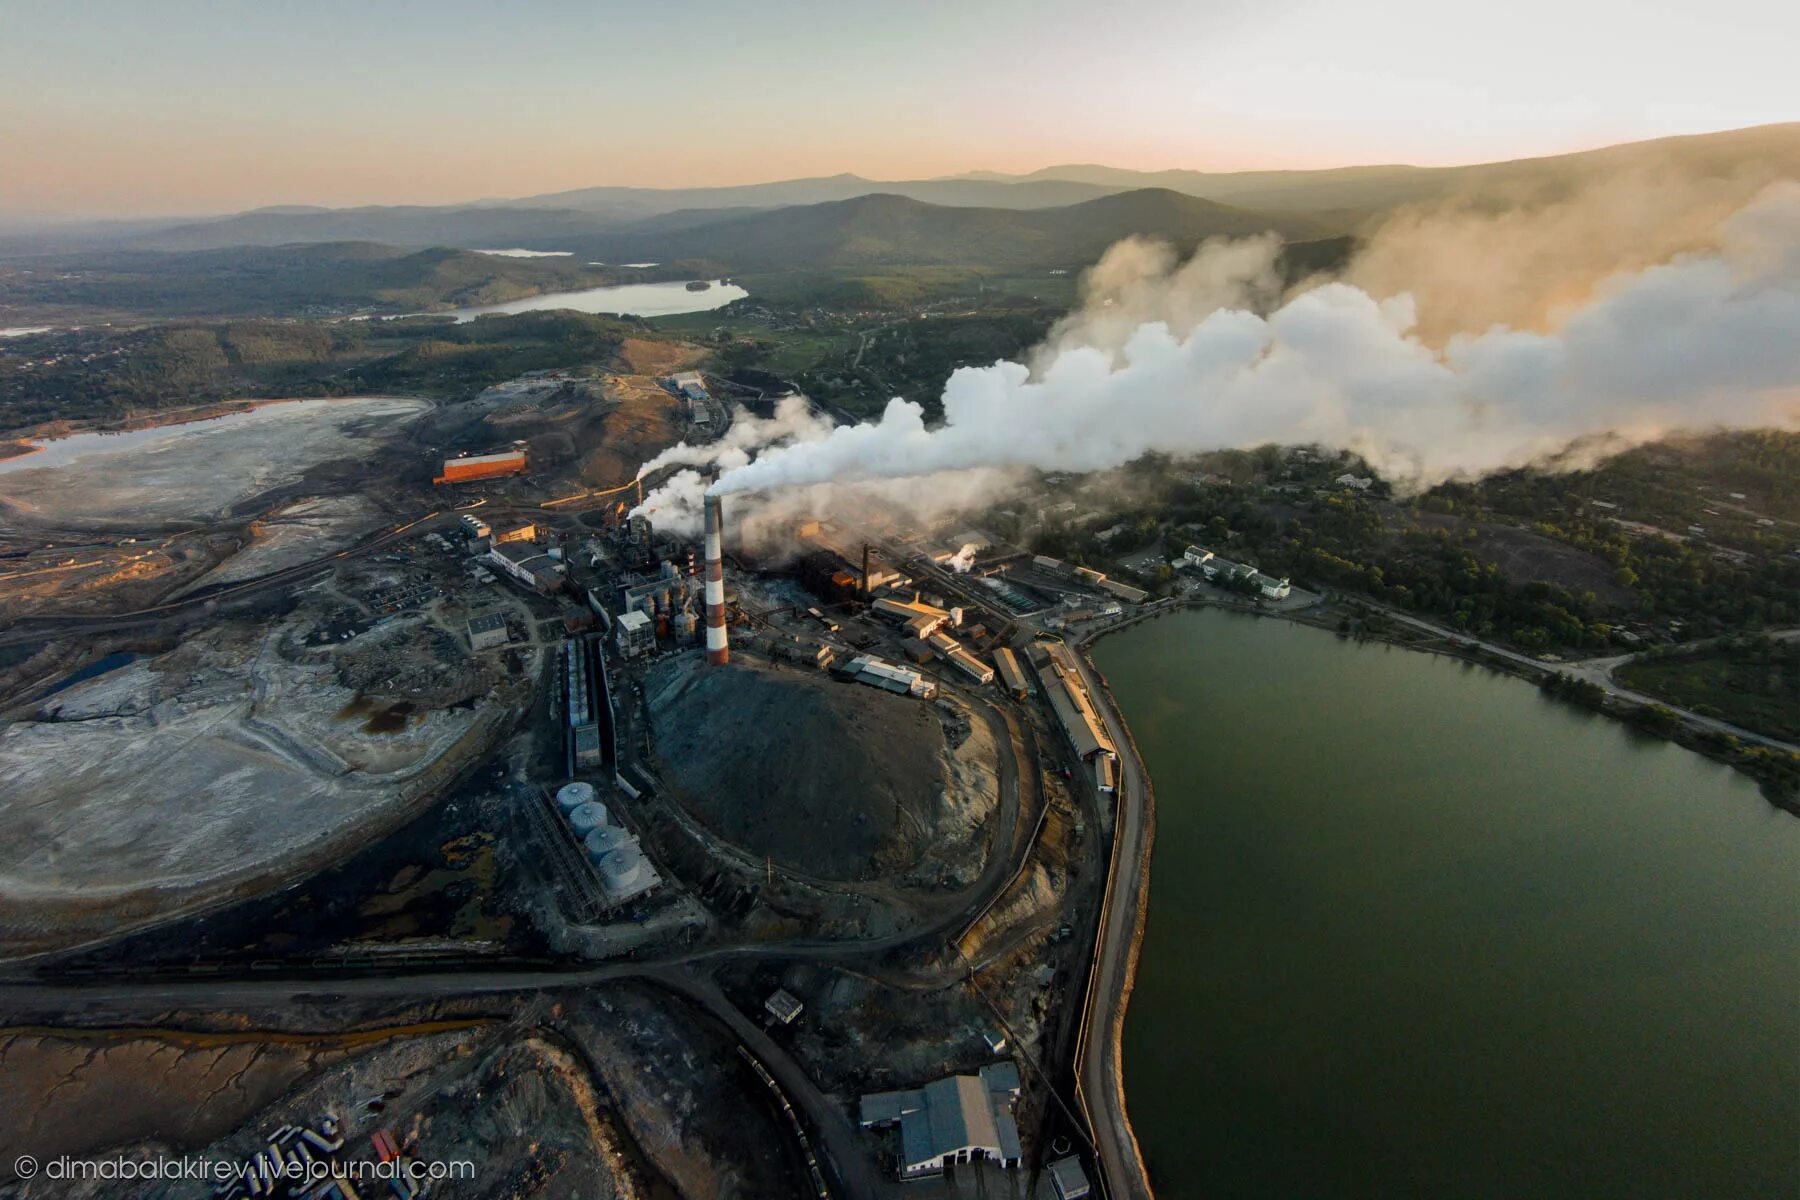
[(1416, 929), (629, 299)]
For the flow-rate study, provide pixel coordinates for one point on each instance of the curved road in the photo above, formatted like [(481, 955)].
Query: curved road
[(1099, 1074)]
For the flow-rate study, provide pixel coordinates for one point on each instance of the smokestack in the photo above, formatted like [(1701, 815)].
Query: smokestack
[(866, 589), (718, 653)]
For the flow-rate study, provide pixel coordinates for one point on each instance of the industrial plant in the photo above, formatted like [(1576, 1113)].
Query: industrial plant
[(774, 779)]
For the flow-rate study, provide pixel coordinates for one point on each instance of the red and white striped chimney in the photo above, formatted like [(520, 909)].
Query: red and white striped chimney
[(718, 652)]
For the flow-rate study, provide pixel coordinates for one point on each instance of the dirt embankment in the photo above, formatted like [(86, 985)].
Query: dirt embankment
[(644, 422)]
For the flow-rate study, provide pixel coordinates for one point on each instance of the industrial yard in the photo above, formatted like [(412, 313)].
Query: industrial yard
[(461, 738)]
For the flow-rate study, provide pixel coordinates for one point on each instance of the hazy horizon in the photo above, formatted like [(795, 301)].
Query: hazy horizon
[(116, 110)]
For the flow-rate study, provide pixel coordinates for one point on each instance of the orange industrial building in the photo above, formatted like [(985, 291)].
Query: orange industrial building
[(483, 466)]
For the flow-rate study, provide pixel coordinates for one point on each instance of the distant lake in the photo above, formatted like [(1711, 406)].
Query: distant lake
[(630, 299), (23, 330), (528, 253)]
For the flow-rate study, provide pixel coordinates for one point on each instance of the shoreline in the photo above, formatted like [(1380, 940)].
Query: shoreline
[(1133, 949), (1687, 733)]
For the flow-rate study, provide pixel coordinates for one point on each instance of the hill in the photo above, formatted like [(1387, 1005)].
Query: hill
[(1772, 150), (628, 203), (556, 220), (884, 230), (294, 280)]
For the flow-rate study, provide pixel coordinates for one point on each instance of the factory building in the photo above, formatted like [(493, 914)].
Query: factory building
[(691, 386), (636, 634), (488, 631), (476, 531), (661, 593), (529, 565), (527, 532), (1069, 1180), (1012, 676), (784, 1006), (584, 701), (866, 668), (854, 568), (473, 467), (953, 652), (906, 610), (1091, 577), (957, 1119), (1223, 571), (1123, 591), (1069, 701)]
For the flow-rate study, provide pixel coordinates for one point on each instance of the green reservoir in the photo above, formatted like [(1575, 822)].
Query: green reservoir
[(1417, 930)]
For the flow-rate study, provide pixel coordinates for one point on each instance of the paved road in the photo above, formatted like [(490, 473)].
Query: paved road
[(1100, 1083)]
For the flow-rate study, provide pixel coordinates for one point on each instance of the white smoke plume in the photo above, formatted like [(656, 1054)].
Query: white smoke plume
[(963, 560), (675, 504), (1704, 339), (793, 421)]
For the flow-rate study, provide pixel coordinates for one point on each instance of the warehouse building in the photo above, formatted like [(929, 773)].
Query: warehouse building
[(1069, 1180), (488, 631), (954, 653), (1012, 676), (866, 668), (1069, 700), (473, 467), (529, 565), (960, 1118)]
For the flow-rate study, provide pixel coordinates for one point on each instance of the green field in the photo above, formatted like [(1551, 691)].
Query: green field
[(1753, 682)]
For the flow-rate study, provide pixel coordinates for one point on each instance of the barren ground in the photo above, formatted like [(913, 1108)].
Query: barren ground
[(830, 779), (192, 471)]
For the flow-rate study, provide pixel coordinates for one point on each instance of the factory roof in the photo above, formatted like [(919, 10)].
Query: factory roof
[(908, 609), (487, 622), (784, 1006), (949, 1115), (1010, 671), (1070, 1181), (1125, 591), (1001, 1077), (1069, 700), (634, 620), (503, 456)]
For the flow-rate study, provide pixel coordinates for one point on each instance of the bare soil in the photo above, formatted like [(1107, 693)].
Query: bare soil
[(835, 780)]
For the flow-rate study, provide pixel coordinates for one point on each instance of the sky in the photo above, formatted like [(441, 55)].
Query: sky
[(201, 106)]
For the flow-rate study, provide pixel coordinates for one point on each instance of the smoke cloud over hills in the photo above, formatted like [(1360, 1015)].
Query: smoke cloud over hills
[(1169, 357)]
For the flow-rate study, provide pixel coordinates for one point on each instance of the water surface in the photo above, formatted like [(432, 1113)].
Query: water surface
[(1417, 930), (628, 299)]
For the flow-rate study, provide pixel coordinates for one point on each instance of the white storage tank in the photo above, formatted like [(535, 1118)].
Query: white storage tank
[(586, 818), (604, 840), (621, 868), (573, 795)]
